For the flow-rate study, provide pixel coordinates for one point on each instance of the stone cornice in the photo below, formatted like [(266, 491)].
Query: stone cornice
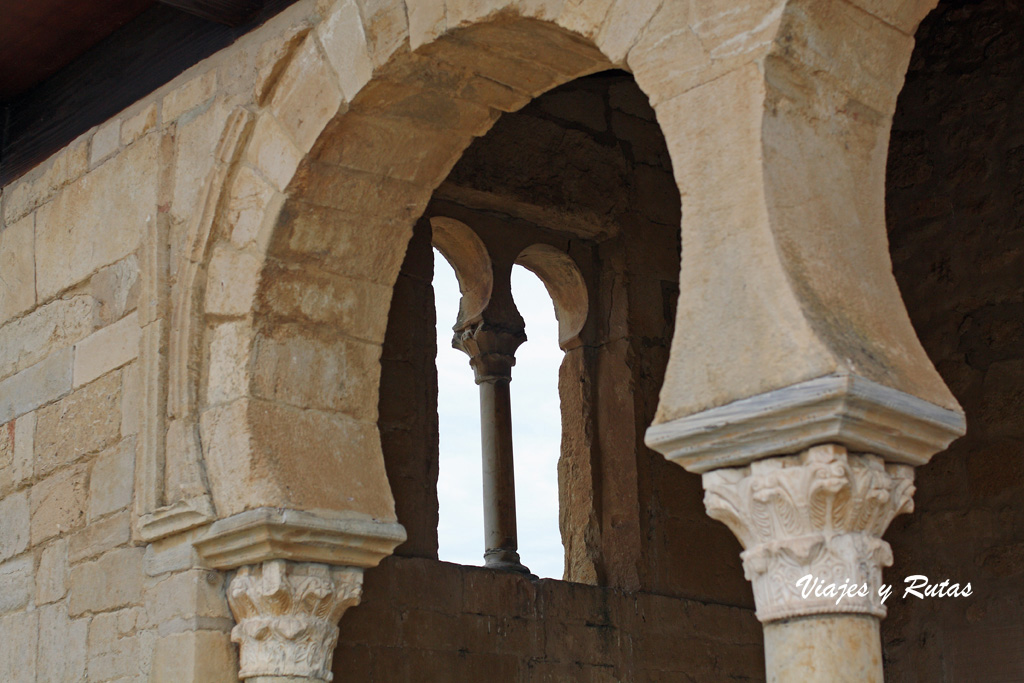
[(843, 409), (263, 534), (174, 519)]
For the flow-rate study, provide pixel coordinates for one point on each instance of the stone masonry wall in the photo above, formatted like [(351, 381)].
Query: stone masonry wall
[(430, 621), (956, 221), (82, 597)]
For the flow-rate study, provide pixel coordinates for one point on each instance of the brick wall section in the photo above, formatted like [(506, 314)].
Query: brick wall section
[(430, 621), (956, 219)]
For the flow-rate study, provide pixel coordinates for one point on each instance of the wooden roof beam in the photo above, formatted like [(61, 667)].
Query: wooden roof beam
[(229, 12)]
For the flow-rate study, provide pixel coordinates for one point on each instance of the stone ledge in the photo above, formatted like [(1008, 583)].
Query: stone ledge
[(255, 536), (843, 409), (176, 518)]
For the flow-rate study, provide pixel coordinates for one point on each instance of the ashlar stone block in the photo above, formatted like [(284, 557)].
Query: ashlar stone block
[(86, 421), (14, 524), (17, 263), (75, 235), (58, 503), (47, 329), (52, 575), (106, 349), (62, 645), (112, 581), (18, 647), (35, 386), (16, 579)]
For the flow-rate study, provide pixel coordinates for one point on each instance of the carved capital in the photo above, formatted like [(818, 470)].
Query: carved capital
[(491, 349), (823, 513), (287, 616)]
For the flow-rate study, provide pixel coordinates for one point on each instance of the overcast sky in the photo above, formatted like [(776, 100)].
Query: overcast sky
[(536, 430)]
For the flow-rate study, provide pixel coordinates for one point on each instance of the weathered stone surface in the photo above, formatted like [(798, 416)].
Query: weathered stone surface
[(351, 306), (131, 399), (228, 377), (386, 25), (341, 373), (307, 95), (344, 41), (86, 421), (99, 537), (188, 96), (17, 263), (74, 235), (272, 152), (247, 206), (16, 453), (112, 480), (24, 448), (172, 554), (16, 578), (194, 656), (113, 647), (116, 290), (39, 185), (18, 647), (232, 281), (38, 385), (14, 531), (427, 21), (106, 349), (52, 575), (136, 126), (44, 331), (105, 142), (195, 141), (112, 581), (62, 645), (58, 503), (175, 602)]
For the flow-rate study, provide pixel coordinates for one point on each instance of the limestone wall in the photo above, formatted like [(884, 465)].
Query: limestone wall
[(955, 203), (81, 596), (424, 620)]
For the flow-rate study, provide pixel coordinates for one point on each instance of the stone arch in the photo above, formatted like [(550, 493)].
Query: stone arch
[(348, 163), (564, 282), (368, 115), (468, 257)]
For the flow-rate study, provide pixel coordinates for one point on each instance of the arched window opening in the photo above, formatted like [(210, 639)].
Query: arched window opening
[(536, 431), (537, 428), (460, 534)]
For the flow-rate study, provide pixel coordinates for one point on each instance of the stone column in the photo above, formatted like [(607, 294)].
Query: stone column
[(820, 514), (287, 617), (491, 350)]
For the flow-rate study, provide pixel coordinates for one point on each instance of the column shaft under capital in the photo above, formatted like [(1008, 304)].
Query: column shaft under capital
[(500, 533)]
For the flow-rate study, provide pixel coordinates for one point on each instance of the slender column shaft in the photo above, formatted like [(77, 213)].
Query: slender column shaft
[(839, 648), (500, 536)]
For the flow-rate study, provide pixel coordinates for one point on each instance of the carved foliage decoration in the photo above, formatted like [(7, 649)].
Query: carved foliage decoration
[(822, 513), (287, 616)]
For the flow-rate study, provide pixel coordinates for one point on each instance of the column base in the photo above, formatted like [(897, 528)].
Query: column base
[(838, 648), (505, 560)]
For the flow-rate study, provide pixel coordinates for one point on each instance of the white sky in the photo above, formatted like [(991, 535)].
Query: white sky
[(536, 430)]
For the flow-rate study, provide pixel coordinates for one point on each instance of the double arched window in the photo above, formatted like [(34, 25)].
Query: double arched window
[(541, 275)]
